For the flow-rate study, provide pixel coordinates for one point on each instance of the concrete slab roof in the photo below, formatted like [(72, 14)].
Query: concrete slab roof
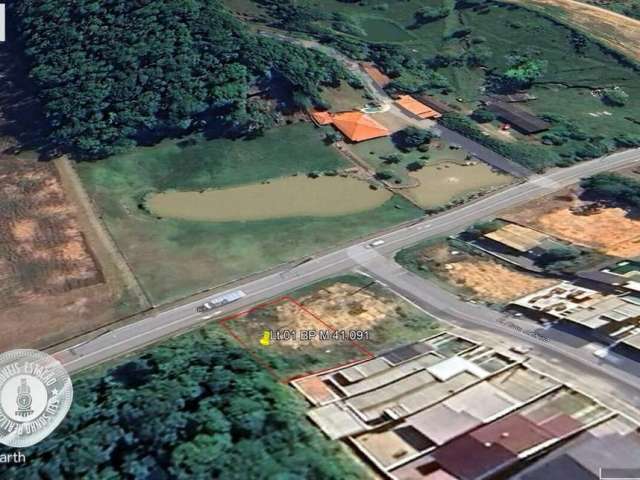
[(335, 421), (454, 366), (482, 401), (440, 423), (517, 237)]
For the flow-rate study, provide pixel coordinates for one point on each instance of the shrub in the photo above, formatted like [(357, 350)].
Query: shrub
[(383, 175), (412, 137), (482, 115), (392, 159), (615, 97), (482, 228), (415, 166)]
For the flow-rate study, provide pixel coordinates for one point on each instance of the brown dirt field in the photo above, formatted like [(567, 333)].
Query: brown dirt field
[(483, 277), (338, 306), (619, 31), (52, 286), (496, 282), (610, 230), (41, 238)]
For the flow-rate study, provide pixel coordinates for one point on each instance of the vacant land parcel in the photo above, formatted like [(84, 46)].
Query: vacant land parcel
[(52, 285), (356, 316), (613, 231), (471, 274), (204, 252)]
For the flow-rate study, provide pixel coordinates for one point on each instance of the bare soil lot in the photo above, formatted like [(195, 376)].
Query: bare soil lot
[(480, 276), (609, 230), (367, 317), (342, 307), (52, 286)]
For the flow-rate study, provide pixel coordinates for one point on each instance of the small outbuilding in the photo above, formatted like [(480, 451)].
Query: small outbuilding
[(432, 102), (416, 108), (520, 119)]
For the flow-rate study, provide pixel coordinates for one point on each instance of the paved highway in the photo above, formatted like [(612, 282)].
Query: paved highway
[(180, 318)]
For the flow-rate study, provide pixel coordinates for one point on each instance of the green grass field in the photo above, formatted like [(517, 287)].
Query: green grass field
[(174, 258), (375, 151)]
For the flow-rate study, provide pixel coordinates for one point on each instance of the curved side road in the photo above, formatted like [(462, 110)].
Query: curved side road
[(547, 344), (183, 317)]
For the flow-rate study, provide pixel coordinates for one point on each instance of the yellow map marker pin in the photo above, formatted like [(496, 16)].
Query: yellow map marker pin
[(266, 338)]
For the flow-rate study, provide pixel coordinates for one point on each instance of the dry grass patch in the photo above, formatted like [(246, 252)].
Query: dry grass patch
[(52, 286), (495, 282), (44, 249), (478, 276), (342, 306), (609, 230)]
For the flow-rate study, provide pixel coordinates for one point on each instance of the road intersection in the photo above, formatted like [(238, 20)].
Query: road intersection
[(163, 324)]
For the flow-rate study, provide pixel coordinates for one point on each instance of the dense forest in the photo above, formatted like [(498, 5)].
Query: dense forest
[(196, 407), (112, 73)]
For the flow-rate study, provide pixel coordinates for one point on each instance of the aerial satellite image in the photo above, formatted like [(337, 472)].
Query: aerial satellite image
[(320, 239)]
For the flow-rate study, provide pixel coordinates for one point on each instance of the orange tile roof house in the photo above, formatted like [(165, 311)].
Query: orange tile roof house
[(416, 108), (358, 127)]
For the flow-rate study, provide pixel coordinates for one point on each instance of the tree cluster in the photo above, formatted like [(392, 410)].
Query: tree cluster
[(111, 73), (429, 14), (197, 408), (559, 258), (613, 187), (412, 137), (615, 96), (522, 72)]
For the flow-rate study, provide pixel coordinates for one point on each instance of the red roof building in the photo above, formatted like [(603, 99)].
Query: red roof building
[(358, 127), (321, 118), (414, 107)]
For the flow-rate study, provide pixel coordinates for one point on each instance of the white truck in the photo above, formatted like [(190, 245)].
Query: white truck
[(221, 301)]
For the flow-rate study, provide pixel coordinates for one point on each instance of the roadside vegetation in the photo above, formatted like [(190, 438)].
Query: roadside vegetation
[(209, 411), (613, 187)]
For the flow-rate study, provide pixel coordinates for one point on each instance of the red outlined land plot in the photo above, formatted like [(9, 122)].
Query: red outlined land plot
[(301, 342)]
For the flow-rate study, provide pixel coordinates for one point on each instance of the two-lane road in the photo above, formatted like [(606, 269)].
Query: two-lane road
[(183, 317)]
